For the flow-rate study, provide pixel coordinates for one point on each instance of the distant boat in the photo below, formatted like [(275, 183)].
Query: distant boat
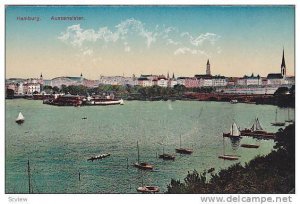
[(234, 101), (256, 130), (20, 119), (165, 156), (249, 145), (181, 150), (148, 189), (234, 131), (84, 118), (289, 120), (100, 156), (227, 156), (276, 123), (142, 165)]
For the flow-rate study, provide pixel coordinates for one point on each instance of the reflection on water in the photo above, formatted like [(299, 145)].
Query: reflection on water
[(235, 143)]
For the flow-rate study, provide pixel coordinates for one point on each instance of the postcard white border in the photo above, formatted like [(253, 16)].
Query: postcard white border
[(128, 198)]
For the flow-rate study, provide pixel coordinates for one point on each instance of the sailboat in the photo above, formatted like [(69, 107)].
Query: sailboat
[(165, 156), (278, 123), (181, 150), (142, 165), (289, 120), (227, 156), (234, 131), (20, 119), (256, 127)]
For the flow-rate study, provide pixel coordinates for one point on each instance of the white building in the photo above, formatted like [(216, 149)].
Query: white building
[(219, 81), (33, 88), (145, 82), (162, 81), (250, 81), (173, 83), (275, 79)]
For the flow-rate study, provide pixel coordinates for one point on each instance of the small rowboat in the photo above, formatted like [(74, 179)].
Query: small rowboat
[(148, 189), (228, 157), (249, 145), (100, 156)]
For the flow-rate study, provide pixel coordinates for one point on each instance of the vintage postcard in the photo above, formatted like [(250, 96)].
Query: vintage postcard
[(150, 99)]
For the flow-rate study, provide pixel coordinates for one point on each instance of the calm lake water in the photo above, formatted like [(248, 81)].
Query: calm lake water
[(58, 143)]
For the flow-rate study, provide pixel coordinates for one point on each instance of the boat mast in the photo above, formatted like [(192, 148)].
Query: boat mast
[(180, 142), (223, 146), (137, 144), (28, 171), (288, 114)]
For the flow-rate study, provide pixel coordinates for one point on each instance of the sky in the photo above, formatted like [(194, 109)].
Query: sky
[(126, 40)]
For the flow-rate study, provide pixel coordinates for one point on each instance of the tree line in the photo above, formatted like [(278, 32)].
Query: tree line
[(273, 173)]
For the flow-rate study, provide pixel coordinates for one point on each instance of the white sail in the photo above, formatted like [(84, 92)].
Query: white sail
[(20, 117), (234, 130), (258, 126)]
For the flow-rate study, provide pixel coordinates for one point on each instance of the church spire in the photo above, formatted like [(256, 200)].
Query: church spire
[(283, 67), (208, 68), (283, 60)]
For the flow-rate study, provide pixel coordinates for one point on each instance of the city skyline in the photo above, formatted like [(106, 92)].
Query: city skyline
[(117, 40)]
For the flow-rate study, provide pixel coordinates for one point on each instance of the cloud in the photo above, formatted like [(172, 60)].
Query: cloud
[(200, 39), (187, 50), (125, 31), (77, 36), (172, 42)]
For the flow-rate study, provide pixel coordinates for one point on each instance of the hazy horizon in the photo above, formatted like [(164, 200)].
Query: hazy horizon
[(117, 40)]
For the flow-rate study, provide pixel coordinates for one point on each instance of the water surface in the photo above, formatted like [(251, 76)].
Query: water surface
[(58, 142)]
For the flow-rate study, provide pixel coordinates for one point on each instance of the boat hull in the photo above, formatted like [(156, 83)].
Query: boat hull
[(105, 103), (250, 146), (143, 166), (148, 189), (183, 151), (259, 134), (228, 157), (167, 157), (278, 124), (20, 122), (101, 156), (231, 136)]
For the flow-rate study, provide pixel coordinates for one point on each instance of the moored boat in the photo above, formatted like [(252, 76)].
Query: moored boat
[(228, 157), (181, 150), (167, 157), (234, 131), (100, 156), (256, 130), (250, 145), (289, 120), (103, 101), (142, 165), (234, 101), (148, 189), (276, 123), (20, 119)]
